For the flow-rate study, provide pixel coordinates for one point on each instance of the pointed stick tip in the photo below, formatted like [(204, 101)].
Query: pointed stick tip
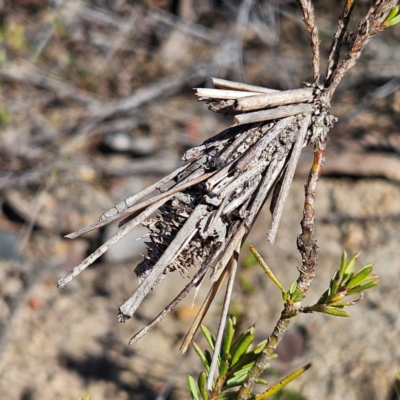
[(184, 347), (132, 340), (270, 238), (61, 284)]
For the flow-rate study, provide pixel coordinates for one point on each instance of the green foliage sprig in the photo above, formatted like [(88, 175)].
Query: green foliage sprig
[(237, 356), (345, 282)]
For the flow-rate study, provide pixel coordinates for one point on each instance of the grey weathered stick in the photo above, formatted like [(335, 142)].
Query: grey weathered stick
[(131, 200), (238, 201), (129, 307), (243, 178), (217, 215), (268, 181), (234, 242), (224, 313), (262, 101), (275, 113), (196, 152), (372, 24), (114, 239), (195, 281), (287, 181), (223, 94), (309, 20), (224, 84), (254, 152), (213, 196), (197, 176), (219, 176), (337, 42), (222, 159), (164, 196)]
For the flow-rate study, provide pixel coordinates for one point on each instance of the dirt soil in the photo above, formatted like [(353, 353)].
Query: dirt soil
[(96, 104)]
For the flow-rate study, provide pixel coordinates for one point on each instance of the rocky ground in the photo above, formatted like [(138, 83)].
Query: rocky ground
[(97, 104)]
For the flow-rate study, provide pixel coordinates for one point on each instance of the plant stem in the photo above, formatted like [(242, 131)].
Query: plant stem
[(306, 242), (309, 20)]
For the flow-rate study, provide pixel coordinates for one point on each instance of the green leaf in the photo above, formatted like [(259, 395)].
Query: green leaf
[(281, 384), (242, 346), (243, 370), (360, 276), (247, 360), (192, 388), (392, 16), (298, 295), (260, 346), (334, 284), (349, 270), (393, 13), (239, 340), (202, 356), (394, 21), (202, 384), (335, 298), (363, 287), (292, 288), (228, 336), (208, 356), (322, 308), (342, 304), (334, 311), (323, 298), (238, 378), (207, 334), (343, 263), (224, 364), (298, 298)]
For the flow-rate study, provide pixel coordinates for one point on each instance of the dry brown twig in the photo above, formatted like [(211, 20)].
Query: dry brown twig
[(208, 206)]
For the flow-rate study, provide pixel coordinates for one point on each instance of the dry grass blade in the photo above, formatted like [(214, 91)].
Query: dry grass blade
[(224, 314), (202, 312)]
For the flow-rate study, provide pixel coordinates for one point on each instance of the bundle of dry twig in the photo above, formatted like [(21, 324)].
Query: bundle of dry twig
[(207, 207)]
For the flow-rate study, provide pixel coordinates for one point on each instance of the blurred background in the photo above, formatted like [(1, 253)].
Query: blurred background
[(96, 103)]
